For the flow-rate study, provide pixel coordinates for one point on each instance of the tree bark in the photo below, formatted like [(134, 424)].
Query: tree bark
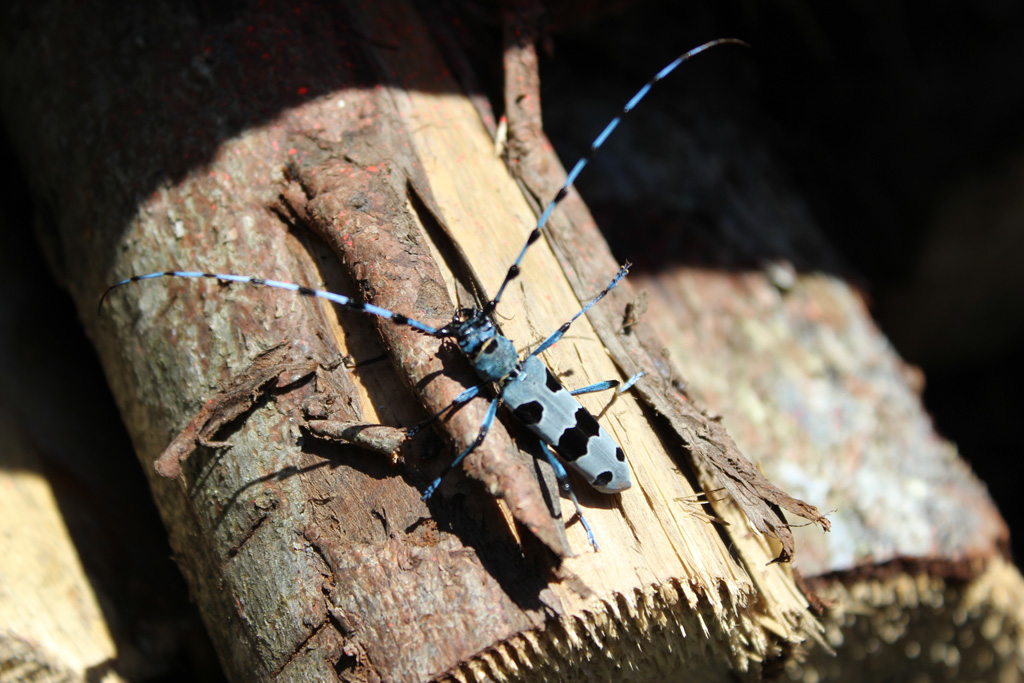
[(246, 143)]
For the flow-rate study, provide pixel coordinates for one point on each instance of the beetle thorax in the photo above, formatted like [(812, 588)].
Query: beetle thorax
[(493, 355)]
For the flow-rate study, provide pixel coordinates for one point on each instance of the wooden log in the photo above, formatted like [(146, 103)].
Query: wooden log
[(52, 624), (313, 561), (771, 330)]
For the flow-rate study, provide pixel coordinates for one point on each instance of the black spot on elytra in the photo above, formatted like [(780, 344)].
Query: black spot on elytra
[(619, 455), (491, 347), (553, 385), (603, 479), (572, 445), (529, 413)]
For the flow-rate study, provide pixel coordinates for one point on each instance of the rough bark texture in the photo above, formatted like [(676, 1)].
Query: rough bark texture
[(213, 143)]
